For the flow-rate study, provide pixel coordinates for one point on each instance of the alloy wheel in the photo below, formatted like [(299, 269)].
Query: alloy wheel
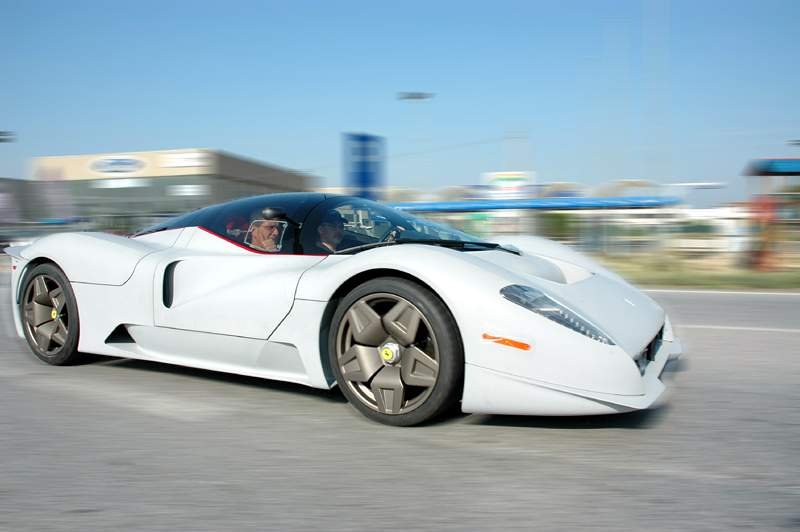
[(387, 353), (45, 314)]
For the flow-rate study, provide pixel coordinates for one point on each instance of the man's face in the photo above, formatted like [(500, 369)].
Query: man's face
[(331, 233), (265, 235)]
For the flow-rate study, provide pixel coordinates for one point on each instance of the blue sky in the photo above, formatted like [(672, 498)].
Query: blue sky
[(590, 90)]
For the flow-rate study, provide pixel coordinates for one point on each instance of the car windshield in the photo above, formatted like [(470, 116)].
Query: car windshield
[(342, 224)]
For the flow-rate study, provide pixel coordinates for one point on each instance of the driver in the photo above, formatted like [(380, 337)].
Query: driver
[(330, 231)]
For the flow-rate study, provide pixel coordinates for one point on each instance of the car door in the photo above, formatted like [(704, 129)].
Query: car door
[(210, 289)]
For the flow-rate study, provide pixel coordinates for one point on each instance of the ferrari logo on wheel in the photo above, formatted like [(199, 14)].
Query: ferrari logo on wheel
[(389, 353), (53, 314)]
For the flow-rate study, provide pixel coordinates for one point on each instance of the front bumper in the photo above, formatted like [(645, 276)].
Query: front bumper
[(488, 391)]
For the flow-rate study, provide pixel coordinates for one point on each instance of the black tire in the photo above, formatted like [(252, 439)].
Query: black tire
[(439, 397), (65, 316)]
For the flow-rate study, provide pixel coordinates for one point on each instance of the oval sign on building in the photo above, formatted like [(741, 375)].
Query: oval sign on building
[(117, 165)]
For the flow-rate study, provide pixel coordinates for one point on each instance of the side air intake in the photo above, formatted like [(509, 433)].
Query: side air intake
[(120, 335), (168, 290)]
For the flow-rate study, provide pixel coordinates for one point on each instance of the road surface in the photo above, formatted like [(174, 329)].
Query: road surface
[(122, 445)]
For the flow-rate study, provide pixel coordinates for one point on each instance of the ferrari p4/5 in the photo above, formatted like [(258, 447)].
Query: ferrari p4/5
[(408, 317)]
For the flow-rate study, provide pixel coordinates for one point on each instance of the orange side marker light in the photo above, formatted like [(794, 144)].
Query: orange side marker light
[(507, 341)]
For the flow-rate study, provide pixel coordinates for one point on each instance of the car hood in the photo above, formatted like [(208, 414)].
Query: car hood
[(627, 315)]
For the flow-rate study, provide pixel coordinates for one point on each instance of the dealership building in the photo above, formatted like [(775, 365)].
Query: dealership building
[(137, 186)]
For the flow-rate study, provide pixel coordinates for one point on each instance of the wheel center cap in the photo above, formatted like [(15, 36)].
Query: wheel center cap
[(53, 314), (390, 353)]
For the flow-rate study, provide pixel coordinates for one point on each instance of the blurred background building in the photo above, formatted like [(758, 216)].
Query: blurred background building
[(122, 191)]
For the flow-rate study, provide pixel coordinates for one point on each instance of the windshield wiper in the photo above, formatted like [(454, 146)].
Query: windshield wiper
[(455, 244), (459, 244), (356, 249)]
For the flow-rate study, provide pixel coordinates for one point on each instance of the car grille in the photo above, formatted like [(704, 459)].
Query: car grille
[(648, 354)]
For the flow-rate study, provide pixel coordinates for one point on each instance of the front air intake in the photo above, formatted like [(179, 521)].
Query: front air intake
[(648, 354)]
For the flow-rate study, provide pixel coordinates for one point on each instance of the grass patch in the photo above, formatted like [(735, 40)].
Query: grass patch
[(672, 272)]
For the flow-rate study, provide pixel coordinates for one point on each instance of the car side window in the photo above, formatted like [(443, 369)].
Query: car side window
[(245, 224)]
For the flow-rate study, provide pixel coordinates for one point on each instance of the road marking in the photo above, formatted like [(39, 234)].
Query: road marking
[(732, 328), (720, 292)]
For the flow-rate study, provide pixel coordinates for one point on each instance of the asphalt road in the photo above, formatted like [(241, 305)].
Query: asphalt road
[(117, 445)]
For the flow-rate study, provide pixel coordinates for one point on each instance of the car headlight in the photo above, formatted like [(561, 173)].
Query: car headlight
[(542, 304)]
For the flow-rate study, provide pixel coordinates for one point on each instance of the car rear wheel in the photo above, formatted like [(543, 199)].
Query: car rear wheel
[(49, 315), (396, 352)]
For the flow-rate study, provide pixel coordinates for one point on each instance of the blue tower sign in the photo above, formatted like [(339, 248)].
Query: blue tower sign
[(364, 159)]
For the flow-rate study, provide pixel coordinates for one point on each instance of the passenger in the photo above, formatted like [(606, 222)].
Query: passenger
[(266, 235)]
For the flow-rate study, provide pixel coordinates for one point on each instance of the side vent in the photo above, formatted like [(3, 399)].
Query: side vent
[(120, 335), (168, 290)]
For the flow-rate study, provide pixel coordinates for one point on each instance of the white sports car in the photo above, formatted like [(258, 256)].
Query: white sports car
[(407, 316)]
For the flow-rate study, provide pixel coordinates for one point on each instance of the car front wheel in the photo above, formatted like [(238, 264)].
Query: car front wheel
[(396, 352), (49, 315)]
